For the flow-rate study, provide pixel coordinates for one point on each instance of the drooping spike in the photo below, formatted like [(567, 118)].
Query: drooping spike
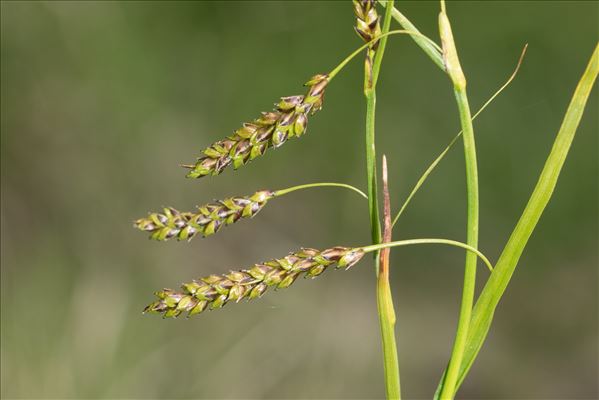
[(208, 219), (215, 291), (271, 129)]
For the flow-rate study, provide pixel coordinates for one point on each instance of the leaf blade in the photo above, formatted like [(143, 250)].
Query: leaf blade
[(487, 302)]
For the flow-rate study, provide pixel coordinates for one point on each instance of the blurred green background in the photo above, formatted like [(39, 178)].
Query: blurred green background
[(102, 100)]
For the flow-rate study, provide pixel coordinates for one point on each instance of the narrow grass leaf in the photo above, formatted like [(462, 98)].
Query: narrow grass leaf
[(502, 273), (430, 48)]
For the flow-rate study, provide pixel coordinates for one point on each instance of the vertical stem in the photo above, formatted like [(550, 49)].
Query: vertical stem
[(385, 300), (459, 345), (456, 74), (372, 191), (378, 59)]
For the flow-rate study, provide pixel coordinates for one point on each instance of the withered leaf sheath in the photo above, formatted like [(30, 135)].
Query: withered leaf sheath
[(289, 119), (215, 291), (206, 221)]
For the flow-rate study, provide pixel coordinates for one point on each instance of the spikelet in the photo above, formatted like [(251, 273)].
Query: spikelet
[(367, 23), (215, 291), (206, 221), (272, 129), (368, 28)]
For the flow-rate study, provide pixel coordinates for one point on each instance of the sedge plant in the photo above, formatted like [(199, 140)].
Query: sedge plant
[(289, 119)]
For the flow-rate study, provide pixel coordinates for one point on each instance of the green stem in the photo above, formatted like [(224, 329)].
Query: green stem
[(373, 208), (319, 184), (472, 240), (378, 58), (456, 74), (410, 242), (384, 301)]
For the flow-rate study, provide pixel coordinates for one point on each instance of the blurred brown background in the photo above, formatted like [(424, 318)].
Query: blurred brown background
[(102, 100)]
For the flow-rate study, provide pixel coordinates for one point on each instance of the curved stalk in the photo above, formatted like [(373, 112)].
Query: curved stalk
[(456, 137), (382, 36), (319, 184), (410, 242)]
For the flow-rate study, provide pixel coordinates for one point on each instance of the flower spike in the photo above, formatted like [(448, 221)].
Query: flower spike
[(206, 221), (272, 129), (215, 291)]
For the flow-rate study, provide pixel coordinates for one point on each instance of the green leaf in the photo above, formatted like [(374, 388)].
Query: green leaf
[(429, 48), (504, 269)]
